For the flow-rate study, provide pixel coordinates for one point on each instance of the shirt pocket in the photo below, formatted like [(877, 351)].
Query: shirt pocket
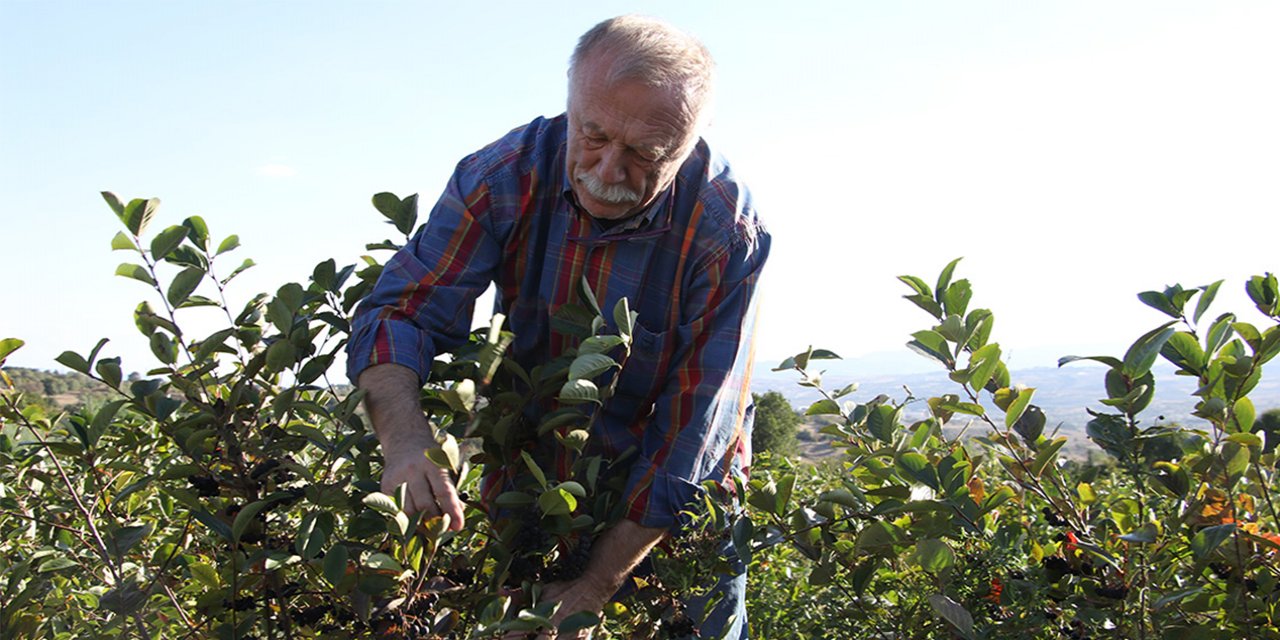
[(644, 373)]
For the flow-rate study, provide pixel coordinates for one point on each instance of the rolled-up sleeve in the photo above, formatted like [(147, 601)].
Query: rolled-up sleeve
[(701, 422), (422, 303)]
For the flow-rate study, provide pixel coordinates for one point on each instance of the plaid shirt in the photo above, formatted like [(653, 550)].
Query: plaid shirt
[(689, 266)]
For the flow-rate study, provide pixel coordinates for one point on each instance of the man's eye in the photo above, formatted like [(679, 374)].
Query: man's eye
[(595, 142)]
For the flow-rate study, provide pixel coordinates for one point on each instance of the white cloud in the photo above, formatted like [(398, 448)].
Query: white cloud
[(276, 171)]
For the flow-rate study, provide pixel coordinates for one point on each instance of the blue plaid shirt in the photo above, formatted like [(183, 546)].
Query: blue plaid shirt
[(688, 265)]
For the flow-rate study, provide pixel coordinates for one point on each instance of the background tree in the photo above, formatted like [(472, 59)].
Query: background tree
[(1269, 424), (775, 426)]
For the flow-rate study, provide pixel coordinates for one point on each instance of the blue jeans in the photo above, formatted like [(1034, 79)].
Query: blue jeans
[(727, 619)]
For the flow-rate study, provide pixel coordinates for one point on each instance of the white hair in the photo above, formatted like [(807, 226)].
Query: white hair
[(651, 52)]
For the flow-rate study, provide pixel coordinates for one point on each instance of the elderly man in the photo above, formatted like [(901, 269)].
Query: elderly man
[(623, 191)]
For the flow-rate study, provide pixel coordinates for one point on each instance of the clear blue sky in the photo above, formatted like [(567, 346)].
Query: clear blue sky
[(1075, 152)]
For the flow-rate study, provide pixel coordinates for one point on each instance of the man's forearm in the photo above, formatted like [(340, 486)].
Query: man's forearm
[(618, 552), (391, 396)]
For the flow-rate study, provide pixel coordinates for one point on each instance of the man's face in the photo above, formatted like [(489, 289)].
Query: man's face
[(626, 143)]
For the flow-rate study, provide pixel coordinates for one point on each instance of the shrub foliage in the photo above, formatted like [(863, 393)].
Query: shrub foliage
[(232, 491)]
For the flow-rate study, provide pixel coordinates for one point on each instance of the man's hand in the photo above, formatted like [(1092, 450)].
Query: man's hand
[(613, 558), (428, 488), (392, 399), (582, 594)]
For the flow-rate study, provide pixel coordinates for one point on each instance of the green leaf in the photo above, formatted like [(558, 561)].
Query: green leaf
[(577, 621), (1114, 363), (121, 540), (1085, 491), (782, 498), (1046, 455), (1139, 358), (138, 214), (388, 204), (599, 344), (534, 469), (184, 284), (982, 365), (1237, 458), (228, 244), (575, 439), (1184, 352), (624, 317), (1245, 415), (579, 391), (917, 467), (212, 344), (114, 202), (447, 455), (917, 285), (204, 574), (1219, 333), (1269, 345), (882, 422), (1030, 425), (590, 365), (928, 304), (978, 326), (238, 270), (842, 497), (1206, 298), (214, 524), (9, 345), (557, 502), (1019, 405), (246, 517), (511, 499), (197, 231), (381, 503), (166, 241), (1146, 534), (121, 242), (401, 213), (955, 614), (1160, 302), (57, 564), (73, 361), (1209, 538), (944, 278), (281, 355), (952, 328), (934, 556), (382, 562), (931, 344), (956, 299), (588, 296), (135, 271), (1264, 293), (823, 407), (996, 498)]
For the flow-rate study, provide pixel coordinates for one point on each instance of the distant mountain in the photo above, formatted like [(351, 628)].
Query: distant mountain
[(1063, 393)]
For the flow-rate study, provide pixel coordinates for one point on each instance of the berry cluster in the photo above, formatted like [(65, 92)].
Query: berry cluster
[(572, 565)]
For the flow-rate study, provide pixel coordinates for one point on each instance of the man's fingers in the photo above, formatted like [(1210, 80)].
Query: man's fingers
[(446, 497), (418, 497)]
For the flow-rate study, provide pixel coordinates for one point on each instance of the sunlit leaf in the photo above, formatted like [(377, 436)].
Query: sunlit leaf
[(228, 244), (166, 241), (955, 614), (579, 391), (9, 345), (135, 271), (590, 365)]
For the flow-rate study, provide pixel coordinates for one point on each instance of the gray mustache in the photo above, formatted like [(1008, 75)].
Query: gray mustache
[(611, 193)]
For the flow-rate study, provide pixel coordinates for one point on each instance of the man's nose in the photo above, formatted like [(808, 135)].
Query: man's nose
[(611, 168)]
